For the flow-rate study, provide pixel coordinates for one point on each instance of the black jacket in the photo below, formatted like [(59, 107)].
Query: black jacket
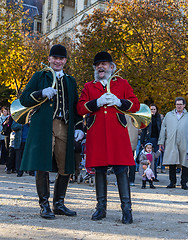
[(146, 132)]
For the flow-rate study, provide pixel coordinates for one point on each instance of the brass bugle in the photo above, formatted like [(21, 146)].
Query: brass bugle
[(109, 80), (20, 113), (140, 119)]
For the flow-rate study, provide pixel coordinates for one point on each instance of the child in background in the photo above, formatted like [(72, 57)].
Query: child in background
[(11, 161), (147, 157)]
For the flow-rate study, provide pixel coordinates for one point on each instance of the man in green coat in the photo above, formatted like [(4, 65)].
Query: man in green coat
[(53, 128)]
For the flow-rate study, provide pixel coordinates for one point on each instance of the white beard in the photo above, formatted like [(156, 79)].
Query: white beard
[(106, 75)]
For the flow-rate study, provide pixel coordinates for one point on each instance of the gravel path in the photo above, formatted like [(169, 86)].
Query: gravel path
[(158, 213)]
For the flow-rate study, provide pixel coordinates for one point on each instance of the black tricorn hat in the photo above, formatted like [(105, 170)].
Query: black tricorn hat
[(58, 51), (102, 57)]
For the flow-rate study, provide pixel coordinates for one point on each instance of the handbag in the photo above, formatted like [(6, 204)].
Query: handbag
[(4, 131), (138, 155)]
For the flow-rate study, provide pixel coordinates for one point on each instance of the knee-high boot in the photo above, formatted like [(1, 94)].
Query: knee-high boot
[(124, 193), (101, 194), (60, 189), (43, 190)]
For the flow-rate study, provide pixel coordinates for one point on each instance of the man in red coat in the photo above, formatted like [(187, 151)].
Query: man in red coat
[(108, 142)]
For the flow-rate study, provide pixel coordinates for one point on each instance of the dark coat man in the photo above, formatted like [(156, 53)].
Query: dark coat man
[(52, 130)]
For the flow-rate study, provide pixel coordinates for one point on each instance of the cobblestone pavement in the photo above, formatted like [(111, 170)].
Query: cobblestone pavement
[(158, 213)]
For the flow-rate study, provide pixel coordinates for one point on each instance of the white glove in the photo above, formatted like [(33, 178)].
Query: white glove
[(102, 100), (113, 100), (78, 135), (49, 92)]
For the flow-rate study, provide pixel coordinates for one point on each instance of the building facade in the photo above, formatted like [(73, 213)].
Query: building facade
[(33, 10), (59, 17)]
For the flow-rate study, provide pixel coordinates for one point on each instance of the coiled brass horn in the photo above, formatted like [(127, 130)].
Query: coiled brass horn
[(19, 113), (140, 119)]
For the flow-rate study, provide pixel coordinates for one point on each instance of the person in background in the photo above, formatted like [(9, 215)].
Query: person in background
[(11, 161), (5, 125), (107, 140), (174, 140), (133, 135), (21, 132), (162, 153), (151, 133)]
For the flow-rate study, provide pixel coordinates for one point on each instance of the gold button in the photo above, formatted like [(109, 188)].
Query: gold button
[(105, 112), (105, 106), (51, 105)]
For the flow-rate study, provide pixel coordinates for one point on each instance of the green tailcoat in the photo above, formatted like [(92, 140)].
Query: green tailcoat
[(38, 149)]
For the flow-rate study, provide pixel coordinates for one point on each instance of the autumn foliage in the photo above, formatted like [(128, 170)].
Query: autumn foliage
[(21, 52), (148, 41)]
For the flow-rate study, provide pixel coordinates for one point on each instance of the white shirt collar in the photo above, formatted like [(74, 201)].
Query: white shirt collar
[(179, 114), (103, 82)]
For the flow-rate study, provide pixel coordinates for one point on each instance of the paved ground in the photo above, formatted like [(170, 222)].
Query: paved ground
[(158, 213)]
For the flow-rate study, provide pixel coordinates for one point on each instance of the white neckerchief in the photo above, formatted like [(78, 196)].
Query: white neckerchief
[(59, 74), (104, 82)]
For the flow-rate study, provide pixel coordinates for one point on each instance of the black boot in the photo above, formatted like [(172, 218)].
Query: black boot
[(20, 173), (43, 190), (143, 184), (124, 193), (151, 184), (101, 194), (60, 189)]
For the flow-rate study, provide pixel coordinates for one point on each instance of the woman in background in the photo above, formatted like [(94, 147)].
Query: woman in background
[(151, 133)]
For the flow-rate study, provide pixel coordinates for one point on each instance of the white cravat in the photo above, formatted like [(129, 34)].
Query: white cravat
[(59, 74), (104, 82)]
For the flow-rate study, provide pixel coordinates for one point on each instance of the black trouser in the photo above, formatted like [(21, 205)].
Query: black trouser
[(132, 170), (19, 154), (184, 176), (172, 174), (4, 151), (11, 159)]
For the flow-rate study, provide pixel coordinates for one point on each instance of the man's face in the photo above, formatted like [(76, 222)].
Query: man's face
[(57, 63), (180, 106), (103, 70)]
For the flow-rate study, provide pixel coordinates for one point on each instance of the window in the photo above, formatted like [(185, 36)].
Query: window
[(39, 27), (70, 3), (49, 4), (49, 25), (87, 3)]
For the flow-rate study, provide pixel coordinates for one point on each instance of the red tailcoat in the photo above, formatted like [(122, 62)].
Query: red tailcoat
[(107, 141)]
